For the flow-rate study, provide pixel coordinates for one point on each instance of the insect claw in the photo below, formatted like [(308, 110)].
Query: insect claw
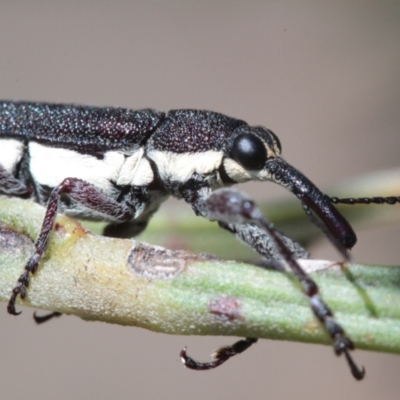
[(355, 370), (40, 319), (11, 304), (11, 310), (342, 345)]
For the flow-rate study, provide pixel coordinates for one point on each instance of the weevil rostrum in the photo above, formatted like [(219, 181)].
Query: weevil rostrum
[(119, 165)]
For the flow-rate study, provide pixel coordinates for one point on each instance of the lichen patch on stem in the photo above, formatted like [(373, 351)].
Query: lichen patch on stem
[(159, 263)]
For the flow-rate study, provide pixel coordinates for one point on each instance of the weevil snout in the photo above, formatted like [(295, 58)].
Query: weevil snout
[(336, 226), (254, 154)]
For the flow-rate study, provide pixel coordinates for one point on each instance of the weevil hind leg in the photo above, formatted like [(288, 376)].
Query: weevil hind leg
[(228, 206), (83, 193)]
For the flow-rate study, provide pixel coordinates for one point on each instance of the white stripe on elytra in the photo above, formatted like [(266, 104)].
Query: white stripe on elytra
[(143, 173), (50, 166), (179, 167), (11, 152), (136, 170)]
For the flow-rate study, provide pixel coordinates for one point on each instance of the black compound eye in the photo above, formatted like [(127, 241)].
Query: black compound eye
[(277, 141), (249, 151)]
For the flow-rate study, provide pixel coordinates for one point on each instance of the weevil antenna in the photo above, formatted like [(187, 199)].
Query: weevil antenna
[(366, 200)]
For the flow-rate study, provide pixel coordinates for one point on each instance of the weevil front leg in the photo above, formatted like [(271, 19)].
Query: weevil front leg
[(236, 211), (83, 193), (262, 243)]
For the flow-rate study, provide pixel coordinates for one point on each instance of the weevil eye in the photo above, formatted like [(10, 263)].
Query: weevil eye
[(249, 151), (277, 141)]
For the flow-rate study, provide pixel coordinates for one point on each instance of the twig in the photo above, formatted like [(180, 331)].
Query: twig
[(178, 292)]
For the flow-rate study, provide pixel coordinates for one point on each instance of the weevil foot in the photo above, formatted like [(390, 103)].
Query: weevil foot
[(342, 345), (220, 355), (11, 303), (40, 319)]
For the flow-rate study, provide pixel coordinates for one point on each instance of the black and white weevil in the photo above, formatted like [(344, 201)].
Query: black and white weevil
[(119, 165)]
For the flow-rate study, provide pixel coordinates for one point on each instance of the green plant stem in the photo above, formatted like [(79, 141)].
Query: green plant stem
[(178, 292)]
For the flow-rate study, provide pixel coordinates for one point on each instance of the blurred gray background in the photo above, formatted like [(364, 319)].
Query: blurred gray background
[(322, 75)]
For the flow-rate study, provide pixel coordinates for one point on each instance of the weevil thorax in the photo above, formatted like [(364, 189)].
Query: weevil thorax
[(191, 142), (222, 149)]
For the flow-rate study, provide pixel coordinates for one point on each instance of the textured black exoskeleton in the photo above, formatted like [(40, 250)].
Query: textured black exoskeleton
[(118, 165)]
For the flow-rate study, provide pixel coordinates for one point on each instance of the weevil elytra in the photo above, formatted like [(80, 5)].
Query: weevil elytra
[(119, 165)]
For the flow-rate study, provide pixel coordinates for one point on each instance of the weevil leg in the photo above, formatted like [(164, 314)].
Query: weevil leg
[(12, 186), (83, 193), (262, 243), (236, 209), (40, 319), (219, 357), (128, 229)]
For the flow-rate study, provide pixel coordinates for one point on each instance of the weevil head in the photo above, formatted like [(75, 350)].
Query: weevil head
[(247, 153), (254, 153)]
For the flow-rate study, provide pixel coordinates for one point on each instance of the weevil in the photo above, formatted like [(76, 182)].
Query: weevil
[(119, 165)]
